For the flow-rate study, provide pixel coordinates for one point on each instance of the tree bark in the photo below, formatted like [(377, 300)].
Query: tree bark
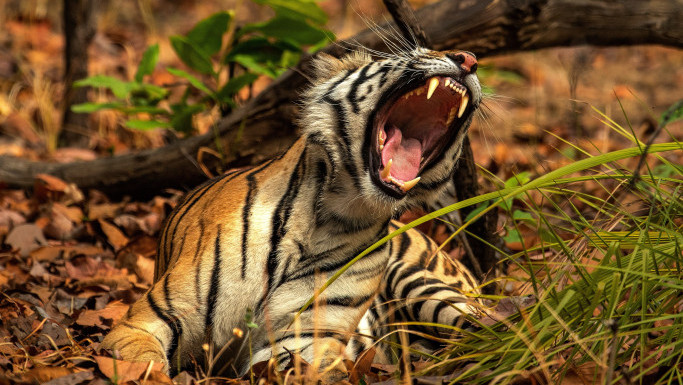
[(79, 30), (483, 27)]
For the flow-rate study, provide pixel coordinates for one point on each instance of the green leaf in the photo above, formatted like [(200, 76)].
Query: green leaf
[(235, 84), (261, 56), (207, 35), (520, 215), (476, 211), (296, 31), (144, 109), (148, 62), (249, 62), (85, 108), (673, 114), (118, 87), (506, 204), (181, 120), (145, 125), (512, 236), (518, 179), (297, 9), (193, 56), (262, 49), (145, 94), (193, 80)]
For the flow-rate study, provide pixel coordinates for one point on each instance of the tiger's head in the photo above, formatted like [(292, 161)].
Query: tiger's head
[(394, 127)]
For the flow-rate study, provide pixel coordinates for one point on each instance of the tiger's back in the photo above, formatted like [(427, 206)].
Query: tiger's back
[(259, 240)]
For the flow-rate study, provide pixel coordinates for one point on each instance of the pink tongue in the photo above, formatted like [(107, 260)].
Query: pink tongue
[(406, 155)]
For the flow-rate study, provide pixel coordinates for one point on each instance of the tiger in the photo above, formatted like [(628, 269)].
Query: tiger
[(378, 137)]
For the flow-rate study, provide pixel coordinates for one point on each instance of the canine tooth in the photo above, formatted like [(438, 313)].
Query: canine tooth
[(463, 105), (433, 83), (451, 116), (385, 173), (381, 147), (409, 184)]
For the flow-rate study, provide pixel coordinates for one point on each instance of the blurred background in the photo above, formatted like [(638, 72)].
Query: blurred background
[(531, 93)]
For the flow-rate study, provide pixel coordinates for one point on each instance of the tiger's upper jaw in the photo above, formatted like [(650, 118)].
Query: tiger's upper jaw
[(414, 126)]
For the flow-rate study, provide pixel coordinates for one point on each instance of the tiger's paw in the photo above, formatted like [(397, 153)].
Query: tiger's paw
[(135, 347)]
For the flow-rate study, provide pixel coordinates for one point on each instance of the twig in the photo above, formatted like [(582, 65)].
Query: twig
[(665, 119)]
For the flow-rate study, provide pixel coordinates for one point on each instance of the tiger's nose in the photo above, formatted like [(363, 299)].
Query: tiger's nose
[(466, 61)]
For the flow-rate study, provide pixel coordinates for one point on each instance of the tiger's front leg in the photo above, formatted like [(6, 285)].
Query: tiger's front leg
[(166, 325), (320, 333), (421, 285)]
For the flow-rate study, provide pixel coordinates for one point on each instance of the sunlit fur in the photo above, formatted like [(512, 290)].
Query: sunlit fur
[(262, 239)]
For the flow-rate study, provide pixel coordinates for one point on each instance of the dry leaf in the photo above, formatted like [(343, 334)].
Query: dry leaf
[(73, 378), (103, 210), (71, 154), (115, 237), (46, 373), (125, 371), (50, 253), (362, 365), (26, 238), (10, 218), (113, 311), (60, 225)]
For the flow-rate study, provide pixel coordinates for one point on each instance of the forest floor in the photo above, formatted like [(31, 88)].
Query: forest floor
[(72, 262)]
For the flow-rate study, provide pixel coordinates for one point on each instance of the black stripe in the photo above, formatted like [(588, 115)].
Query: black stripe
[(318, 334), (180, 249), (433, 263), (438, 308), (404, 271), (307, 260), (326, 266), (417, 306), (280, 219), (174, 325), (417, 282), (197, 283), (352, 95), (246, 210), (198, 250), (357, 348), (445, 304), (389, 277), (132, 326), (433, 185), (347, 301), (342, 132), (317, 138), (193, 198), (215, 274), (182, 209), (403, 246), (334, 85)]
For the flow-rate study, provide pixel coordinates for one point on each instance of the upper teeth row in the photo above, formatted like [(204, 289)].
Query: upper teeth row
[(430, 87), (457, 87)]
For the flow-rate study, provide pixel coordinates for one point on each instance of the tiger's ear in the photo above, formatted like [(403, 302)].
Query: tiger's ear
[(327, 66)]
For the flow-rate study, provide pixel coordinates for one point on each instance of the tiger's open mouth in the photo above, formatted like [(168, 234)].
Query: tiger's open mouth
[(413, 129)]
